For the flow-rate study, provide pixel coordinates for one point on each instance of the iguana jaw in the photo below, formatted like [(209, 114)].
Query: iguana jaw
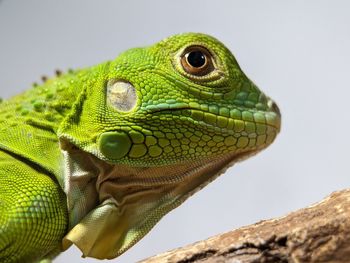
[(136, 198)]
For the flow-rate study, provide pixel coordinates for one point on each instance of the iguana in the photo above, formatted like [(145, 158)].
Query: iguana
[(96, 157)]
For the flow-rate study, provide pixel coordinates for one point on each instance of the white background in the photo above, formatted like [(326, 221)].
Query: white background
[(296, 51)]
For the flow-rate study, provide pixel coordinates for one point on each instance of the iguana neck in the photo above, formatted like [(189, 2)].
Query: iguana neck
[(46, 104), (35, 115)]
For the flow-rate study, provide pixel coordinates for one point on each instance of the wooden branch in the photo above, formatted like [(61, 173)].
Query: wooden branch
[(318, 233)]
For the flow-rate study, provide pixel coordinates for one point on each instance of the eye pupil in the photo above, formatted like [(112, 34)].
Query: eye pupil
[(196, 59)]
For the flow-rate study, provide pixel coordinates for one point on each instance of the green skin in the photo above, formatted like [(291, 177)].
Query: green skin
[(180, 130)]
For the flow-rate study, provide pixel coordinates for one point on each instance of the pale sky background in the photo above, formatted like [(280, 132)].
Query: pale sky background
[(296, 51)]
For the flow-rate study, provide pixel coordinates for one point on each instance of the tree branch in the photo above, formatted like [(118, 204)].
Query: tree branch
[(318, 233)]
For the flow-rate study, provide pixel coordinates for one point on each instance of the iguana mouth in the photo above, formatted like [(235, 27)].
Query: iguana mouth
[(217, 120)]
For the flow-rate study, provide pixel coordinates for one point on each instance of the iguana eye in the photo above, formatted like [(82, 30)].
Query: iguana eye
[(197, 60)]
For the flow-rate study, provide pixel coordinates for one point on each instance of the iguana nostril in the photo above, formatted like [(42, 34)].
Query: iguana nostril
[(273, 106)]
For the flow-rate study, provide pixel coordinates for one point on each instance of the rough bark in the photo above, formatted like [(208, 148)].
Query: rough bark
[(318, 233)]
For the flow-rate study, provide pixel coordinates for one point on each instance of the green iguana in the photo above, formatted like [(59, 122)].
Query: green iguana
[(96, 157)]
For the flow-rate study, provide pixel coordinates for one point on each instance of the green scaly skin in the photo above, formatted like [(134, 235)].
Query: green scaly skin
[(183, 131)]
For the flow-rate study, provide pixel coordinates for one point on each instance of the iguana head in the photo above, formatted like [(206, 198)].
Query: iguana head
[(157, 124)]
